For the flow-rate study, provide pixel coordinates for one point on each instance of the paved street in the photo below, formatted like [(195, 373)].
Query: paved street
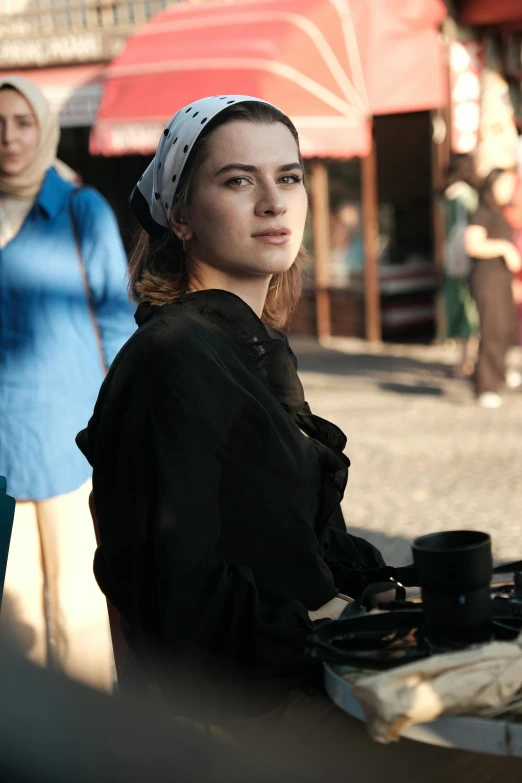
[(424, 456)]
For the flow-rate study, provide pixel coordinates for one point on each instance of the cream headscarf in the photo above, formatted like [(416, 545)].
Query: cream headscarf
[(29, 181)]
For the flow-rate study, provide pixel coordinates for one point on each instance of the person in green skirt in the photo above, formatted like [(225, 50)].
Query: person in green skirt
[(462, 321)]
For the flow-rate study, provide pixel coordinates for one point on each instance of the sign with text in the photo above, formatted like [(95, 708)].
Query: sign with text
[(60, 49), (497, 147), (466, 64)]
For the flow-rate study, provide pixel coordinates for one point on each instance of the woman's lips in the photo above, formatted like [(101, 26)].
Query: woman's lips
[(275, 237)]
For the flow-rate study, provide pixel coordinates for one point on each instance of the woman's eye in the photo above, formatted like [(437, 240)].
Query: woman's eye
[(288, 179), (237, 182)]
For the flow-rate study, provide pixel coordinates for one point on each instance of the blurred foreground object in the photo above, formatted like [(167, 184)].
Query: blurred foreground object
[(53, 730)]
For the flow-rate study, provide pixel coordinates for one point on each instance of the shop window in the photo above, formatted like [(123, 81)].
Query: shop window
[(346, 226)]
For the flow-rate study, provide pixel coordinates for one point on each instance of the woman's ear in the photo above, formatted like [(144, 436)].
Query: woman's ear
[(180, 226)]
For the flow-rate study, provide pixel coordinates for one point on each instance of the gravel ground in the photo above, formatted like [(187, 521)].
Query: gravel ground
[(424, 456)]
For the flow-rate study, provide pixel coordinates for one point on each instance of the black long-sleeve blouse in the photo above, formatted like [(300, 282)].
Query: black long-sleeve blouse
[(217, 490)]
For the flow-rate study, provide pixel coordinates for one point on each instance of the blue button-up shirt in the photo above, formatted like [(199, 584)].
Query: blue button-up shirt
[(50, 366)]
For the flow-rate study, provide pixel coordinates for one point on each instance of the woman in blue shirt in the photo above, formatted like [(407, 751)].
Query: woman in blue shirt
[(64, 315)]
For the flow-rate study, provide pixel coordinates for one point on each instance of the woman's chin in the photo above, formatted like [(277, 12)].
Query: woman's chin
[(11, 170), (274, 261), (245, 262)]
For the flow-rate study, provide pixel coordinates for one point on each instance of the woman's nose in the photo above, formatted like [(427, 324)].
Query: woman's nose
[(7, 133), (271, 201)]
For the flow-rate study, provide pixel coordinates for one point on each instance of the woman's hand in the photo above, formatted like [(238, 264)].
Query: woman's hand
[(331, 610), (383, 598), (512, 258)]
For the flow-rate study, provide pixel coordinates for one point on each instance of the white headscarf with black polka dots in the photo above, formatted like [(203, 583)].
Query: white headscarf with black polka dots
[(153, 196)]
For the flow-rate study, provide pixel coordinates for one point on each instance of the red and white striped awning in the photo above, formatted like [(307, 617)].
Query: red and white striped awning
[(328, 64)]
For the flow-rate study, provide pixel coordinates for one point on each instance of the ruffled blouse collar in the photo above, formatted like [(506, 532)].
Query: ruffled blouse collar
[(272, 360), (267, 349)]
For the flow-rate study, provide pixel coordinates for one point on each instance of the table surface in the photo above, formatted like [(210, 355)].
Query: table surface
[(483, 735)]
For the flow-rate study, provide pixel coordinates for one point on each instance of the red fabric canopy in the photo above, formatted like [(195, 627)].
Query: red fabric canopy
[(402, 54), (328, 64), (491, 12)]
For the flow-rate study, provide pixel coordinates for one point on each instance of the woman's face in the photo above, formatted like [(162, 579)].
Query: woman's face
[(249, 208), (18, 133), (503, 188)]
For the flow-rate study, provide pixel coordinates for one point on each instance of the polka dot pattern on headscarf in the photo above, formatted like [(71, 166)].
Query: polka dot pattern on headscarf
[(158, 184)]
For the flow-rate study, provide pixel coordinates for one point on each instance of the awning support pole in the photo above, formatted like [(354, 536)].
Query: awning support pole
[(321, 228), (439, 161), (372, 302), (440, 158)]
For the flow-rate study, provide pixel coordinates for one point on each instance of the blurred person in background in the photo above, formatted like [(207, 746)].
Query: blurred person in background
[(64, 315), (346, 247), (462, 322), (495, 260), (217, 491), (513, 213)]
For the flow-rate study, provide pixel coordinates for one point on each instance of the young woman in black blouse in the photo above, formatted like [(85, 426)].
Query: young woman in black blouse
[(227, 487), (217, 491)]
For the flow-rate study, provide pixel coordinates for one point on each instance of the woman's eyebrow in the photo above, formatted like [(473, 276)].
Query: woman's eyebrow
[(254, 169), (290, 167), (237, 167), (20, 116)]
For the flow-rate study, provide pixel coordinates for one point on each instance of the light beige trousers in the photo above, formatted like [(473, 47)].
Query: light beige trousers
[(53, 545)]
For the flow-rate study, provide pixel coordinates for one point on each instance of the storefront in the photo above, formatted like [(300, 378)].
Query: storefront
[(360, 79), (407, 278), (491, 30)]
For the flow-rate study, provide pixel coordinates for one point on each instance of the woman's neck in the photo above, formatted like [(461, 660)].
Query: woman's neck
[(252, 290)]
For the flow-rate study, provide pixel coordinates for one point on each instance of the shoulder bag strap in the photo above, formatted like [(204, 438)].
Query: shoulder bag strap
[(85, 281)]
